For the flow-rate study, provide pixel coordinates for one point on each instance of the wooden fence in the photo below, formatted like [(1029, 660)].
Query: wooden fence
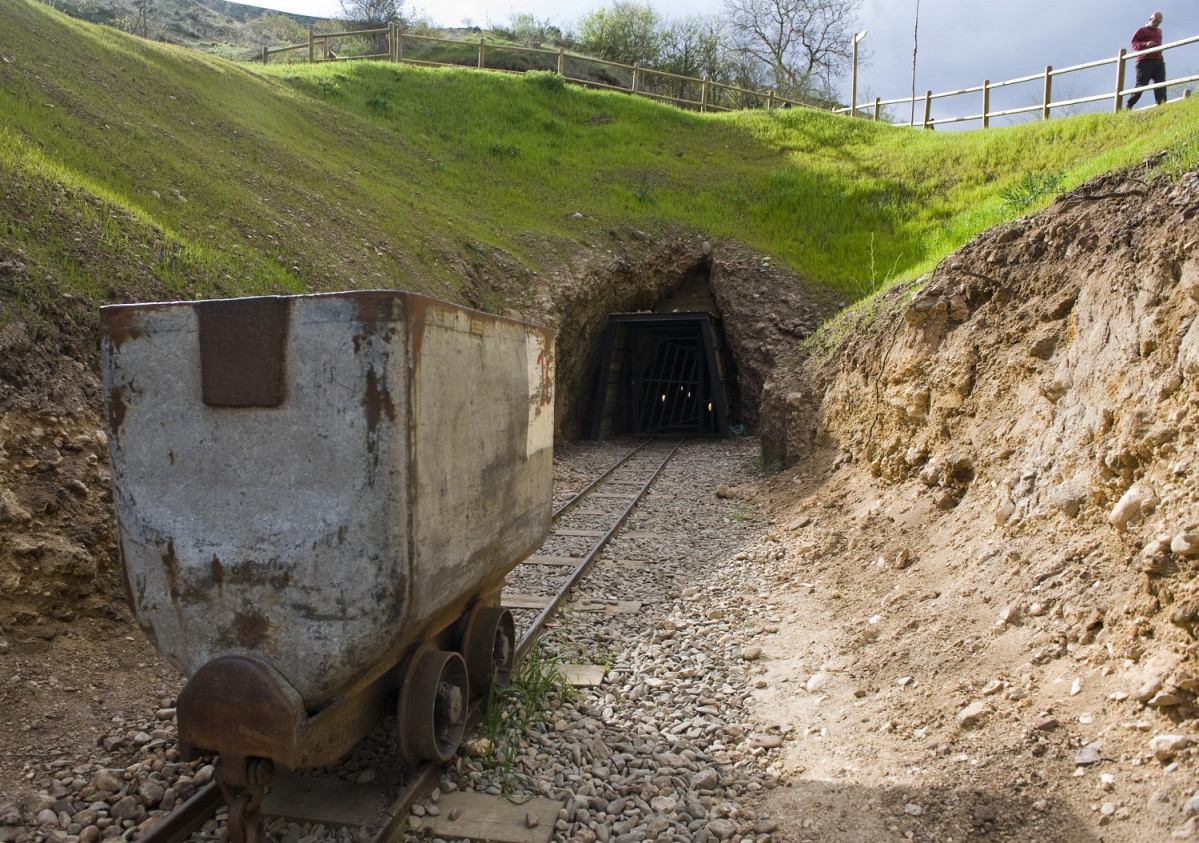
[(390, 44), (1116, 95)]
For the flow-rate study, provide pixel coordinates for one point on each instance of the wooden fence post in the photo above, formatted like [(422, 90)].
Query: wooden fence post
[(1119, 78), (1048, 91), (311, 45), (636, 70), (325, 48), (561, 61), (770, 100), (391, 41), (986, 103), (399, 45), (480, 53), (703, 96), (265, 55), (928, 107), (877, 100)]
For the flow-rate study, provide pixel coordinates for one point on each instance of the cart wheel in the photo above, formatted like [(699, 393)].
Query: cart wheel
[(433, 702), (489, 645)]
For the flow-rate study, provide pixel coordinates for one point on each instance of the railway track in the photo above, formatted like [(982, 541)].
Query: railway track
[(378, 800)]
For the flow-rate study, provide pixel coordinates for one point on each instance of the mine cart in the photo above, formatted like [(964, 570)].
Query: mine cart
[(317, 500)]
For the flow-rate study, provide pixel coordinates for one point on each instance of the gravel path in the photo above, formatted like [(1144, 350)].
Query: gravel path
[(663, 750)]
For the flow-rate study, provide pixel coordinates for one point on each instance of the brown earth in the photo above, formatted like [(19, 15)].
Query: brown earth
[(983, 545), (987, 547)]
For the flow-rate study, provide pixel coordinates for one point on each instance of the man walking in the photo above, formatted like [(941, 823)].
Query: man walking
[(1151, 67)]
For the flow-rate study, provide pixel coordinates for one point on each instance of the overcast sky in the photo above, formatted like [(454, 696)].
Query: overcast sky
[(960, 42)]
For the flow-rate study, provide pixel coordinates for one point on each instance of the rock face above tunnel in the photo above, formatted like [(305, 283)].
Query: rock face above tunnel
[(631, 276), (765, 310)]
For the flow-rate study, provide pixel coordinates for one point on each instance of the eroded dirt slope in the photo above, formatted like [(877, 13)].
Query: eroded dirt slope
[(985, 552)]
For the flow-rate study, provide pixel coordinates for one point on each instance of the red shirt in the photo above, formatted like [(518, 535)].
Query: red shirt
[(1146, 37)]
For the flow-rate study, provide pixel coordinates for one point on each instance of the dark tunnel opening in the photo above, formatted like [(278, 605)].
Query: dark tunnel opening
[(667, 371)]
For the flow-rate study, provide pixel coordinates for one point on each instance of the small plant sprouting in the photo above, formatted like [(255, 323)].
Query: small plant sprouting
[(642, 191), (1031, 188), (513, 709), (876, 284), (1182, 157), (745, 513), (758, 464)]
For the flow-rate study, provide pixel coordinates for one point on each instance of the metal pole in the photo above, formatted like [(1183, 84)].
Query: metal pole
[(853, 80), (915, 31), (1119, 78), (1048, 92)]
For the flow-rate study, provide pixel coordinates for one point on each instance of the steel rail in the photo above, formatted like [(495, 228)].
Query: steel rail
[(421, 785), (535, 628), (578, 496), (426, 778), (181, 822)]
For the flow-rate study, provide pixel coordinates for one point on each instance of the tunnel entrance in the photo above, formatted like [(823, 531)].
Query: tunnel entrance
[(662, 373)]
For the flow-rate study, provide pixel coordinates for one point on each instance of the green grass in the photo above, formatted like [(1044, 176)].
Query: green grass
[(295, 178), (512, 710)]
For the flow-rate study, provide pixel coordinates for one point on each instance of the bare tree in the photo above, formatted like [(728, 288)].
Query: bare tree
[(802, 43), (141, 25), (694, 46)]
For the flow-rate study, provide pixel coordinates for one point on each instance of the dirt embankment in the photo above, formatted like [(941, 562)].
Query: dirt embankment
[(990, 536)]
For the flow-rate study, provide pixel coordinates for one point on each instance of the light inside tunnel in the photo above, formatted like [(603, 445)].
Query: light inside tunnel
[(661, 373)]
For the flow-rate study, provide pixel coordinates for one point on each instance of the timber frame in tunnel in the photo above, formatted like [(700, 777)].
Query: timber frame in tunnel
[(662, 373)]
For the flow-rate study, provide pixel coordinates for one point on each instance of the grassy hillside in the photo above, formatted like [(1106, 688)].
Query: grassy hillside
[(220, 26), (134, 169)]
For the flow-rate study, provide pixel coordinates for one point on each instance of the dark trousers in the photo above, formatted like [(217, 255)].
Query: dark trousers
[(1150, 70)]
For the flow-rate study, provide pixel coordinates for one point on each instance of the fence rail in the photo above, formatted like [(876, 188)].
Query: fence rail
[(392, 44), (706, 94), (1116, 94)]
